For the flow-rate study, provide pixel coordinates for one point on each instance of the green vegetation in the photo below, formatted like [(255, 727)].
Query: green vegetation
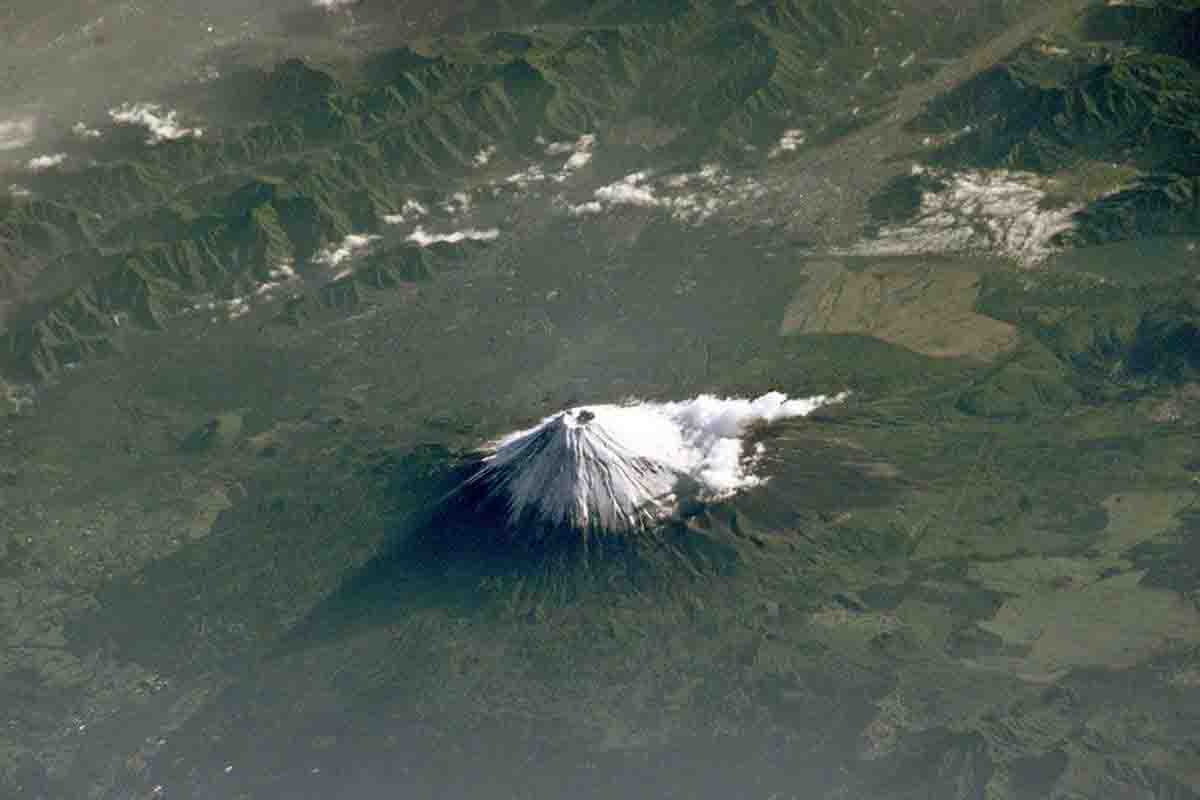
[(213, 214), (979, 577), (1122, 88)]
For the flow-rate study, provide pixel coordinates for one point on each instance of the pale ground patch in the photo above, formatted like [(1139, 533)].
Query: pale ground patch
[(1137, 516), (925, 308), (1068, 616), (14, 398), (865, 624), (209, 506), (1182, 406), (879, 738), (1189, 678)]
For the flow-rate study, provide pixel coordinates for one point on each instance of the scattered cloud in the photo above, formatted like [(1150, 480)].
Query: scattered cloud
[(457, 203), (791, 140), (579, 154), (690, 197), (162, 124), (586, 209), (350, 246), (16, 190), (16, 133), (41, 163), (532, 174), (82, 131), (484, 156), (580, 151), (577, 160), (409, 210), (281, 275), (423, 238), (978, 211), (230, 309), (284, 271), (629, 191)]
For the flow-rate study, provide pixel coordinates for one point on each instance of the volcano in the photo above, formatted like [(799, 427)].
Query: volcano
[(618, 469)]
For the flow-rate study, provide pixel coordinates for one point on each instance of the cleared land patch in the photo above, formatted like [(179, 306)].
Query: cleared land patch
[(1069, 616), (925, 307)]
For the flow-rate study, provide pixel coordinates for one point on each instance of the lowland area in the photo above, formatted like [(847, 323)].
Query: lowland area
[(268, 276)]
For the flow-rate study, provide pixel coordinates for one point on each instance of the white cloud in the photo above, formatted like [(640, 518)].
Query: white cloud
[(423, 238), (45, 162), (978, 211), (350, 246), (690, 197), (580, 151), (281, 276), (577, 160), (530, 175), (457, 203), (615, 468), (82, 131), (333, 5), (579, 154), (238, 307), (484, 156), (629, 191), (410, 209), (162, 124), (231, 309), (791, 140), (285, 271), (586, 209), (17, 190), (16, 133)]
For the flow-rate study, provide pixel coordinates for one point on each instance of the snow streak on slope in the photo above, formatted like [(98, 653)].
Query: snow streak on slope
[(618, 468)]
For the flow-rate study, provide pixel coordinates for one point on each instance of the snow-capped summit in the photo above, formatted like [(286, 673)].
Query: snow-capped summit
[(619, 468)]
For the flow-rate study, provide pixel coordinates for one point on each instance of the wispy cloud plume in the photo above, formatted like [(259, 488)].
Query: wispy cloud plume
[(350, 246), (163, 124), (423, 238), (82, 131), (616, 468)]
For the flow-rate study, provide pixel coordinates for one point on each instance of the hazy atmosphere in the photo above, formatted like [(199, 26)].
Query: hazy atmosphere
[(772, 399)]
